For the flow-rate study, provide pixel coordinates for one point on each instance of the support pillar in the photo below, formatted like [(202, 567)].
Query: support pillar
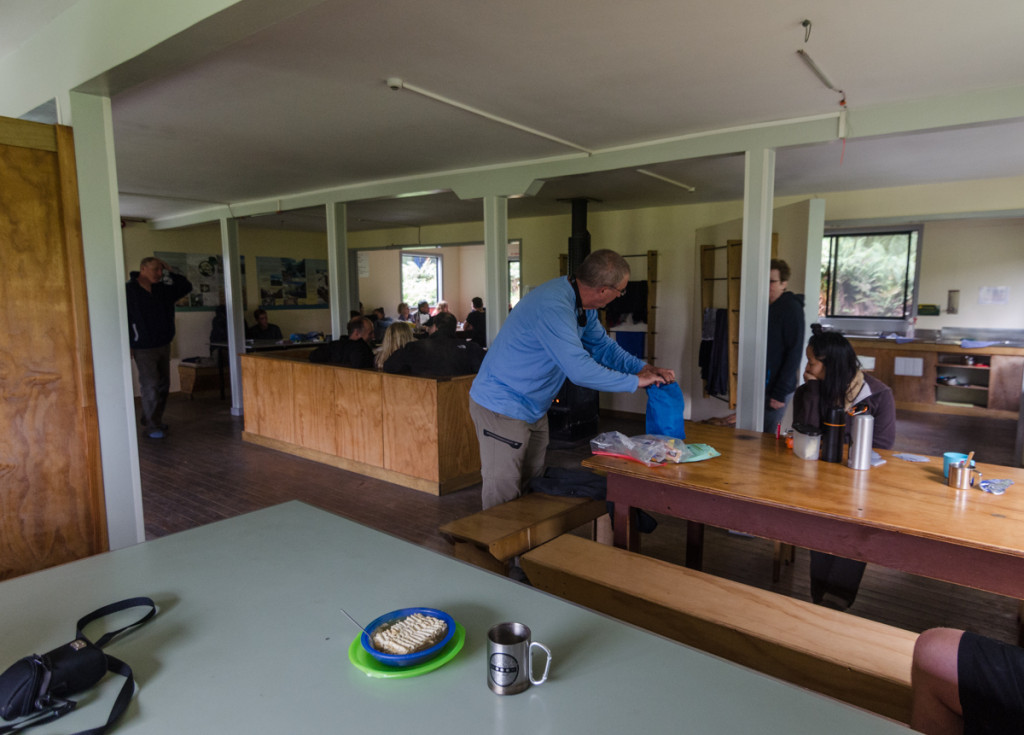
[(495, 262), (758, 196), (338, 267), (108, 324)]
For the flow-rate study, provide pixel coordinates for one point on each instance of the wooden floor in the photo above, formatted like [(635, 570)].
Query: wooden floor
[(202, 472)]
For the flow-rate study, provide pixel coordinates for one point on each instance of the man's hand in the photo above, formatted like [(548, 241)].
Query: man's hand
[(651, 375), (776, 405)]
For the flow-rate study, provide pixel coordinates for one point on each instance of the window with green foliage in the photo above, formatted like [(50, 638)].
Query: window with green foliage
[(421, 279), (869, 274), (513, 282)]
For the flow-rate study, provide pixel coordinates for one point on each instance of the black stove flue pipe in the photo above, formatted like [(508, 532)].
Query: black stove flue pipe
[(574, 414)]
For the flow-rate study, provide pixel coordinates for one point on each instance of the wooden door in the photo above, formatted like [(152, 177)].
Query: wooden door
[(51, 491)]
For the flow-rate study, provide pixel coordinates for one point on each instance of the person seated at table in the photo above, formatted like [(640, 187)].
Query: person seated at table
[(397, 336), (834, 378), (422, 314), (476, 322), (353, 350), (263, 329), (442, 308), (439, 355), (403, 313), (966, 683), (381, 322)]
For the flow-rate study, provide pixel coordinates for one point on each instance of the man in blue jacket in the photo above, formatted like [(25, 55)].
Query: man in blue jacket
[(553, 333), (151, 293)]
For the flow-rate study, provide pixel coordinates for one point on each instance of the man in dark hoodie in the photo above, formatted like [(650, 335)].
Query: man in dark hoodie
[(785, 345), (151, 294), (440, 355)]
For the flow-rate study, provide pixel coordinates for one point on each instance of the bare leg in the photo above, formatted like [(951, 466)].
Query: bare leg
[(936, 698)]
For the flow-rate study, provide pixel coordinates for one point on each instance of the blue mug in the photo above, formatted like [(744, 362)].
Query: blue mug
[(951, 458)]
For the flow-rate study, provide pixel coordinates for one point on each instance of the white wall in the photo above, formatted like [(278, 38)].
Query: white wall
[(967, 255)]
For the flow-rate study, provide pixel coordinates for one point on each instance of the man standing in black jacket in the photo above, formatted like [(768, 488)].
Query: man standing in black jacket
[(785, 345), (151, 294)]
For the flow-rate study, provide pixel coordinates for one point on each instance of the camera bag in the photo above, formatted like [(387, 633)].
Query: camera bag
[(35, 689)]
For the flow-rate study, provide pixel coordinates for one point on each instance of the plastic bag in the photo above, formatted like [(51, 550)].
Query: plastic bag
[(649, 449)]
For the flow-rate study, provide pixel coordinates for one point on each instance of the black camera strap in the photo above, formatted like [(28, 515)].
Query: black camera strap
[(60, 707)]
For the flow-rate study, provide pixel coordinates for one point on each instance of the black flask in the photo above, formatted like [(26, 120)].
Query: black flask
[(834, 435)]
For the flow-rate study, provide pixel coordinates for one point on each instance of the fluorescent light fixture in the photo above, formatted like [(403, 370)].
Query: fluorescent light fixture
[(397, 83), (817, 70), (666, 179)]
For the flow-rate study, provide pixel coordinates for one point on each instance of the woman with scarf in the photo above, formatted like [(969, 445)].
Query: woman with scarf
[(834, 378)]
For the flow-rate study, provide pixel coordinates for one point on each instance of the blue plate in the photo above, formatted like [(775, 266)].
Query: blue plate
[(408, 659), (371, 667)]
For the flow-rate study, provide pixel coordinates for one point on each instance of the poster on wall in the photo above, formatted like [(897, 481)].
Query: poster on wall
[(206, 273), (286, 282)]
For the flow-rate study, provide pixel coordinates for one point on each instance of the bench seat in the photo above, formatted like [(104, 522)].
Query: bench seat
[(493, 537), (852, 659)]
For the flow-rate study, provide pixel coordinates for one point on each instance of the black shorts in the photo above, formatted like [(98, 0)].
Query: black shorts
[(991, 683)]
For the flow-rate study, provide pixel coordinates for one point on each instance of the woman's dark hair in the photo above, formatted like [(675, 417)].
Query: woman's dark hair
[(841, 365)]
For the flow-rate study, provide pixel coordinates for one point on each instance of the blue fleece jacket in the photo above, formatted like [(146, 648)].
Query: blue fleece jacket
[(540, 345)]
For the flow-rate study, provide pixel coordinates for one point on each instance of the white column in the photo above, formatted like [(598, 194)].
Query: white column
[(495, 262), (758, 194), (233, 301), (338, 267), (105, 277)]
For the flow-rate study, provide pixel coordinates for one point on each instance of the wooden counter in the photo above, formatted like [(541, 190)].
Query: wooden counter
[(993, 391), (411, 431)]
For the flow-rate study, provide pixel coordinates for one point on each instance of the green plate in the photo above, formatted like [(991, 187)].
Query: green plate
[(372, 667)]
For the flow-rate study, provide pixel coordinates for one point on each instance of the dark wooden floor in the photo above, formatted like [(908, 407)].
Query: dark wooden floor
[(202, 472)]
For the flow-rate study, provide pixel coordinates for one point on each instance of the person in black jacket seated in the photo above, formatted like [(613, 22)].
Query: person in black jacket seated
[(353, 350), (263, 329), (834, 379), (438, 355)]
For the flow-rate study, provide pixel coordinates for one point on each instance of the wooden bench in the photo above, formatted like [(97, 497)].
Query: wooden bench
[(493, 537), (852, 659)]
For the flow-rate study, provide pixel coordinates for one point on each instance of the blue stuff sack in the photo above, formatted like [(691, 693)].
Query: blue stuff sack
[(665, 408)]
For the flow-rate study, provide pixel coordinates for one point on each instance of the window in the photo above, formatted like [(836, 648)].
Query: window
[(513, 282), (421, 279), (870, 276)]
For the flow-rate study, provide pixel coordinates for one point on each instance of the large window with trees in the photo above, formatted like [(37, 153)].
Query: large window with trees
[(870, 276), (421, 278)]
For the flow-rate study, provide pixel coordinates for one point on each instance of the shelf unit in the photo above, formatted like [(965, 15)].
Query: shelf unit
[(971, 379), (650, 259), (714, 273)]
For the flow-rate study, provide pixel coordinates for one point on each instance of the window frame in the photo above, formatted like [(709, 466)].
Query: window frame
[(413, 253), (877, 324)]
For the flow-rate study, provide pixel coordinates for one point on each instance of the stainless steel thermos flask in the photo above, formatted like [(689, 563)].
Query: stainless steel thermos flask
[(834, 435), (862, 429)]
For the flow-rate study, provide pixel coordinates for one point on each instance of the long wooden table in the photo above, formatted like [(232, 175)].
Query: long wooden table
[(901, 515), (250, 638)]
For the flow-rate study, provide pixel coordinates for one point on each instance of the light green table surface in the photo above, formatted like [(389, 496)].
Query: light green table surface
[(250, 639)]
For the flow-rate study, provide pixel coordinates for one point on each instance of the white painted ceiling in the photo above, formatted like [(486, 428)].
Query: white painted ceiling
[(302, 105)]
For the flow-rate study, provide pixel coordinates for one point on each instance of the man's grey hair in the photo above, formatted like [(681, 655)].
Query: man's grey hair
[(602, 268)]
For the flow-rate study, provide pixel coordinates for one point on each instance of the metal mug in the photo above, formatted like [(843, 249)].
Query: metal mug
[(963, 477), (509, 655)]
